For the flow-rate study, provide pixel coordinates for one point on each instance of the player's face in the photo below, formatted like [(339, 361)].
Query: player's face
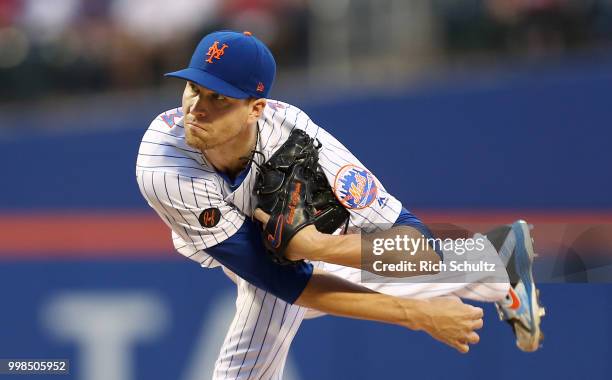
[(212, 119)]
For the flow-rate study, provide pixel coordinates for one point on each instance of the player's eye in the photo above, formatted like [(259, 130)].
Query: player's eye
[(216, 96), (193, 87)]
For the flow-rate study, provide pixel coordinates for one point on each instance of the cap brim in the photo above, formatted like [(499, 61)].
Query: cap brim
[(209, 81)]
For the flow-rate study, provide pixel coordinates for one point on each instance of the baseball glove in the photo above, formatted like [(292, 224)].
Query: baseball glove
[(294, 191)]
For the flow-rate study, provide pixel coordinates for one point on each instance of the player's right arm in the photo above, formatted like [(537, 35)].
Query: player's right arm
[(235, 242), (446, 319)]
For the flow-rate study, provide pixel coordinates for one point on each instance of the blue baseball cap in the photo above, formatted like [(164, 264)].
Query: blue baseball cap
[(231, 63)]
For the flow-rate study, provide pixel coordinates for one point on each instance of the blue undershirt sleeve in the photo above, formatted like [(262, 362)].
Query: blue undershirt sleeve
[(406, 218), (244, 254)]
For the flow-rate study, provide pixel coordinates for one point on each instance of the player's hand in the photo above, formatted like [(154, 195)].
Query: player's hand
[(451, 321), (303, 245)]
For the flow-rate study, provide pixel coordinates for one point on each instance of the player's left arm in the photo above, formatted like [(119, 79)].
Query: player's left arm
[(373, 211), (352, 250)]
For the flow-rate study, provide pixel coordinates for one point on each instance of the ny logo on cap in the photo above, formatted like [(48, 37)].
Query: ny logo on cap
[(215, 52)]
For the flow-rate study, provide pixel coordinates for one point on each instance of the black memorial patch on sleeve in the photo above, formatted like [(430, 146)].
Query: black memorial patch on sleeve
[(210, 217)]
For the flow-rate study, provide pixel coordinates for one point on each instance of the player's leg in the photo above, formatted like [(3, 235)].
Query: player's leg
[(259, 336), (478, 285), (485, 291), (516, 297), (280, 366)]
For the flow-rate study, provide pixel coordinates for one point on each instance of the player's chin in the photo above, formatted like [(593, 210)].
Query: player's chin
[(195, 141)]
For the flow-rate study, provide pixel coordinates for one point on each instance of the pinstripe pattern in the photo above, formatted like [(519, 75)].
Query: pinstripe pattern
[(179, 184), (479, 291), (278, 120), (259, 337), (483, 286)]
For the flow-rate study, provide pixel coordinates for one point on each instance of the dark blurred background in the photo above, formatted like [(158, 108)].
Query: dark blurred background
[(82, 47), (469, 111)]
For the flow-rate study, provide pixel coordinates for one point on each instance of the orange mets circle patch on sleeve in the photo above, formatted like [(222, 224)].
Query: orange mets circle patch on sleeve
[(355, 187)]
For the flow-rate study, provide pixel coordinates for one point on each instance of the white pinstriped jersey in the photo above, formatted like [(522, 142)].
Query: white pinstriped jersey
[(182, 186), (179, 183)]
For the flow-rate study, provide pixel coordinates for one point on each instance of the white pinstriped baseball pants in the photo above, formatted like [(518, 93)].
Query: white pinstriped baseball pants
[(258, 340)]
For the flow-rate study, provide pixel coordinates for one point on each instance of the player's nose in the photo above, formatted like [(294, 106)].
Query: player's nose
[(198, 108)]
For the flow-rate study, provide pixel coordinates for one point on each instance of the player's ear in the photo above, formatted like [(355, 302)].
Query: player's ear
[(256, 108)]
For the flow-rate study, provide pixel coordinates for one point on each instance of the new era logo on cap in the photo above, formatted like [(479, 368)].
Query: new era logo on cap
[(233, 64)]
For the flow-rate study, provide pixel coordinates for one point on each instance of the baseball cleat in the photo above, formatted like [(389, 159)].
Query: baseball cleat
[(521, 308)]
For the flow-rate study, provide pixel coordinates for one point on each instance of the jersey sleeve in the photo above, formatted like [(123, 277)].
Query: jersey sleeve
[(406, 218), (194, 210), (245, 255), (370, 206), (208, 230)]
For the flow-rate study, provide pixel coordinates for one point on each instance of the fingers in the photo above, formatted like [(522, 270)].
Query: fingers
[(476, 316), (260, 215), (473, 338), (463, 344), (477, 312), (456, 322), (461, 347)]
